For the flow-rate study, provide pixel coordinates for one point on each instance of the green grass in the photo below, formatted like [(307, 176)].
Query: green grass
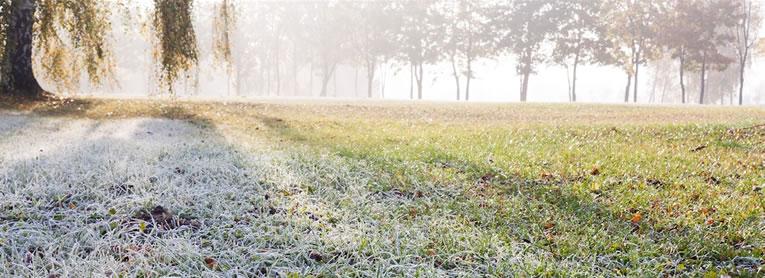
[(531, 190), (571, 190)]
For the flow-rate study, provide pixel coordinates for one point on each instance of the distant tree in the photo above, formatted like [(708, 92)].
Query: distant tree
[(678, 33), (714, 22), (522, 26), (467, 38), (419, 37), (298, 16), (577, 38), (746, 30), (373, 35), (328, 34), (632, 36)]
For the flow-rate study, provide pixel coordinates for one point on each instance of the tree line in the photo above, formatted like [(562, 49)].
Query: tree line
[(273, 43)]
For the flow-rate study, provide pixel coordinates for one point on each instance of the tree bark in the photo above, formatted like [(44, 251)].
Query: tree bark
[(371, 67), (703, 78), (682, 74), (419, 76), (17, 77), (525, 86), (334, 84), (469, 76), (383, 77), (456, 75), (573, 81), (411, 81), (745, 43), (741, 84), (637, 70), (627, 89), (328, 73)]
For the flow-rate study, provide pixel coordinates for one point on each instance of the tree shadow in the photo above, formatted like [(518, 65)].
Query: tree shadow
[(73, 191)]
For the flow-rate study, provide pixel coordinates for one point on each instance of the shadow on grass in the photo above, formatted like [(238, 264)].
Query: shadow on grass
[(106, 109), (551, 216)]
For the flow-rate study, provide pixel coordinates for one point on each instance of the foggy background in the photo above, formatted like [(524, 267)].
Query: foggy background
[(495, 79)]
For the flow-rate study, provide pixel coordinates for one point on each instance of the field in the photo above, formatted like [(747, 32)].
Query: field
[(149, 188)]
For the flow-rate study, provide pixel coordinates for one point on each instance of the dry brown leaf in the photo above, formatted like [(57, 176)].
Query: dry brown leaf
[(211, 263), (636, 218)]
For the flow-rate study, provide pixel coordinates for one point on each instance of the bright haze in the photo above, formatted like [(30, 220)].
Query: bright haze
[(424, 49)]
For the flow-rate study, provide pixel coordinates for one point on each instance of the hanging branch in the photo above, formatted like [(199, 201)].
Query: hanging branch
[(224, 21), (176, 46)]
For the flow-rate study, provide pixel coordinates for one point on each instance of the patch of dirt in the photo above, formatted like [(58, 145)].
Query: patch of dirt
[(164, 219)]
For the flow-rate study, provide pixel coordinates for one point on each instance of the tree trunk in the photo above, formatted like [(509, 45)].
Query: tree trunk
[(682, 74), (469, 76), (456, 75), (741, 84), (411, 81), (334, 84), (383, 77), (328, 73), (703, 79), (324, 82), (419, 76), (17, 76), (371, 67), (627, 89), (525, 86), (573, 81), (637, 70)]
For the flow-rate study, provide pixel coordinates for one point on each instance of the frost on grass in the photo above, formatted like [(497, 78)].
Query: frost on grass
[(154, 197), (74, 194)]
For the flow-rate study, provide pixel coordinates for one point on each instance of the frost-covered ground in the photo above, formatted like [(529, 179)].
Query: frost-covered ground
[(150, 188), (155, 197)]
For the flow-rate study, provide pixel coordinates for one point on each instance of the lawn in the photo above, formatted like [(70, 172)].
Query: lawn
[(154, 188)]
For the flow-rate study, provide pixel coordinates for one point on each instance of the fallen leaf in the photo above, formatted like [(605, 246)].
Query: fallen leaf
[(636, 218), (211, 263), (595, 171)]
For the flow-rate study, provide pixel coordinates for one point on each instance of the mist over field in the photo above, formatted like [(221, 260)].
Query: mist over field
[(260, 33), (428, 138)]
